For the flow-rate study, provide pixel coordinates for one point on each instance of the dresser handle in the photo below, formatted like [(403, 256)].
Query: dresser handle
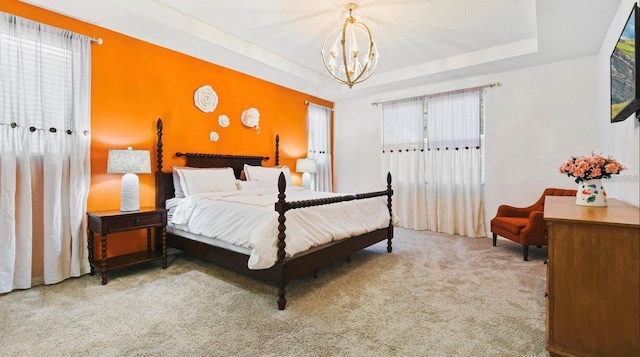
[(137, 221)]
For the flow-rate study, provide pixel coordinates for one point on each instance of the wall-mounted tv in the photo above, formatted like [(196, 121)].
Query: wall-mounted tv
[(625, 88)]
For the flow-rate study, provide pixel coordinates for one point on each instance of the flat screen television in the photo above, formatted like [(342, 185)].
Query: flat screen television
[(625, 98)]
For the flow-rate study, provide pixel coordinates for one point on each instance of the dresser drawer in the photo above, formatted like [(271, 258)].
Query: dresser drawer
[(135, 221)]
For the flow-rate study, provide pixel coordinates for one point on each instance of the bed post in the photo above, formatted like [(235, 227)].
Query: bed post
[(159, 174), (159, 242), (389, 194), (281, 208), (277, 150), (159, 145)]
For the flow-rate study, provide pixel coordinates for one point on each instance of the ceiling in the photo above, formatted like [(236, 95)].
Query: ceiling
[(419, 42)]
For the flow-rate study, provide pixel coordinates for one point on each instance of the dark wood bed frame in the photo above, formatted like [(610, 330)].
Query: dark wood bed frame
[(285, 269)]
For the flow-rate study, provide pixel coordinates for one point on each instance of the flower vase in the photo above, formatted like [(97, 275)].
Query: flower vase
[(591, 193)]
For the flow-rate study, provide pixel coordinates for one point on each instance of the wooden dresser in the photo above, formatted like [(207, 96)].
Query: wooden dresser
[(593, 279)]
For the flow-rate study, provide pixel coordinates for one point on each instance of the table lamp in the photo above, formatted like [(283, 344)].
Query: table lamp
[(129, 162), (307, 167)]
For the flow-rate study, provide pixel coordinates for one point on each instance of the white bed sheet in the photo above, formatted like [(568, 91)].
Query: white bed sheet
[(208, 240), (247, 218)]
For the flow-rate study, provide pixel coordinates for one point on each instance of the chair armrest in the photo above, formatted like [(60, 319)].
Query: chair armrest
[(510, 211), (536, 223)]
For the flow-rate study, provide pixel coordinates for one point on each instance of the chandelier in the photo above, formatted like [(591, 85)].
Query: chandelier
[(343, 59)]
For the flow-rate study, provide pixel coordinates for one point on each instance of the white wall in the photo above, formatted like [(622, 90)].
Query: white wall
[(357, 142), (535, 120), (622, 139)]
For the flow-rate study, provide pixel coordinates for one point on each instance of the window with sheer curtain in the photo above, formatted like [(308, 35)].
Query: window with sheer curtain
[(482, 151), (454, 163), (319, 146), (45, 172), (432, 147), (403, 157)]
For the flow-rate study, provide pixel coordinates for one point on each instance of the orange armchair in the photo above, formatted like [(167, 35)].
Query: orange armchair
[(525, 225)]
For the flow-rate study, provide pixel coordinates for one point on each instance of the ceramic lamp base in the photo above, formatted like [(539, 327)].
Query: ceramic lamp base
[(306, 180), (130, 193)]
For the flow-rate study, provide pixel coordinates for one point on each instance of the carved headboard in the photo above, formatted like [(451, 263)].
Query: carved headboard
[(164, 180)]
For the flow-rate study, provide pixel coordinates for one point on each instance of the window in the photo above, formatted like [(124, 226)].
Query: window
[(41, 72), (481, 125), (450, 127), (319, 142), (45, 120)]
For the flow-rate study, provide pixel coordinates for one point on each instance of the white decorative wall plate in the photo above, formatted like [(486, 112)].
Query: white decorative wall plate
[(213, 136), (251, 119), (205, 99), (223, 120)]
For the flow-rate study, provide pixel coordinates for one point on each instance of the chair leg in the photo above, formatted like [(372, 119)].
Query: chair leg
[(525, 252), (494, 239)]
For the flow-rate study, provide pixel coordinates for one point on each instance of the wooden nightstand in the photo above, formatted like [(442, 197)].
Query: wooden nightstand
[(106, 222)]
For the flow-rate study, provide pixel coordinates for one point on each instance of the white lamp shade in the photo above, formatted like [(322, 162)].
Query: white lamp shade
[(129, 162), (306, 165)]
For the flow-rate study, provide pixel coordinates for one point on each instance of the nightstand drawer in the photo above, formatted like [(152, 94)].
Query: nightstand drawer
[(135, 221)]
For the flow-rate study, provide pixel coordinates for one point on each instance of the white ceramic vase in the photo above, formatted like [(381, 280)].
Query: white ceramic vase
[(591, 193)]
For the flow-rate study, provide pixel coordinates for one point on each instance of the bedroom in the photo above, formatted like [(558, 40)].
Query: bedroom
[(525, 111)]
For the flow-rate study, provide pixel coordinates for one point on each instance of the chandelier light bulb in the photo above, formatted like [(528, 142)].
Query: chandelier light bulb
[(354, 43), (332, 64), (334, 53), (345, 62)]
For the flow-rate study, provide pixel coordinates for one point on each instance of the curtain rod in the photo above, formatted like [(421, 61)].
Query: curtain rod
[(490, 85), (306, 102), (97, 40)]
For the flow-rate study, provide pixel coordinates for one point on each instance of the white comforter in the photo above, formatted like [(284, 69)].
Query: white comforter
[(248, 218)]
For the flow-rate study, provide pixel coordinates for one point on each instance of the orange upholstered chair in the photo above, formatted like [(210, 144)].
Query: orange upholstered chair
[(525, 225)]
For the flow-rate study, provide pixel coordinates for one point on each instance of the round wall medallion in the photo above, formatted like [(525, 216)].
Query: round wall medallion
[(205, 99), (223, 120), (251, 119)]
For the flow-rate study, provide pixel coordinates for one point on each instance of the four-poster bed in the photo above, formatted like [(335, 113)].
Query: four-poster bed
[(286, 267)]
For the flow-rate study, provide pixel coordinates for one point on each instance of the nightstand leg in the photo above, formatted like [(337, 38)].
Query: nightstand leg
[(103, 262), (164, 248), (148, 240), (90, 247)]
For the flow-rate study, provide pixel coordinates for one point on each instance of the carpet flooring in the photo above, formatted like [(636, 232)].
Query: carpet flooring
[(434, 295)]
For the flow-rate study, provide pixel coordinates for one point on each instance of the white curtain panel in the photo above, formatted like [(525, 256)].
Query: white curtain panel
[(453, 163), (45, 171), (402, 155), (319, 143)]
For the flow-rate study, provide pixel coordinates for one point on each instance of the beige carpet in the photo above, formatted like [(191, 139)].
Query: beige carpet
[(435, 295)]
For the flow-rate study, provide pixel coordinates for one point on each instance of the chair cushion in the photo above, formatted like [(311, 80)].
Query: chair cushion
[(510, 224)]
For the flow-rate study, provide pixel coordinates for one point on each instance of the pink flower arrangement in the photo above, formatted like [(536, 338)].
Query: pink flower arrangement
[(590, 167)]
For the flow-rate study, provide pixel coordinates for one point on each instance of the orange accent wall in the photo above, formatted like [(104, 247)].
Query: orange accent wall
[(134, 83)]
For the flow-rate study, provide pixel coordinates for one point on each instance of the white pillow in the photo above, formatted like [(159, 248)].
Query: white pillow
[(177, 185), (247, 185), (267, 176), (207, 180)]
